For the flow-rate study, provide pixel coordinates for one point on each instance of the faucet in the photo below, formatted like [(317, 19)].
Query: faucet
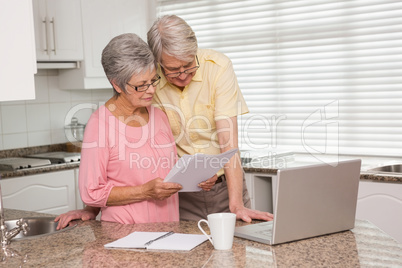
[(6, 236)]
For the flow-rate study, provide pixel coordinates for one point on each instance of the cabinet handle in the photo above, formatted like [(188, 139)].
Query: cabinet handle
[(53, 35), (44, 25)]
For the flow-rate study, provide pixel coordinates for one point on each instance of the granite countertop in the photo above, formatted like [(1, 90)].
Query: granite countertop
[(22, 152), (82, 246), (38, 170)]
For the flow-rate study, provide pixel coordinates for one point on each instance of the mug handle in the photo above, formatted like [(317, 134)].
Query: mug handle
[(202, 230)]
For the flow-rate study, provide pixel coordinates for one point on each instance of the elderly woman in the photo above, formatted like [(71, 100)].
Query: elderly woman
[(128, 145)]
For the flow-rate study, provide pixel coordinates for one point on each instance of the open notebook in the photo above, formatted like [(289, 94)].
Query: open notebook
[(310, 201), (158, 241)]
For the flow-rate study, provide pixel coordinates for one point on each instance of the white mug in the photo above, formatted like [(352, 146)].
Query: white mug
[(222, 227)]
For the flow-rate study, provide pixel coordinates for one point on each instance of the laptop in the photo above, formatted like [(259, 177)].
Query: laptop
[(310, 201)]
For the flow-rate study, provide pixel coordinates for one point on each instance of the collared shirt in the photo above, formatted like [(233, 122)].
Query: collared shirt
[(212, 95)]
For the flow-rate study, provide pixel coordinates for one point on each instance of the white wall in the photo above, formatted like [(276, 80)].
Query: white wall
[(41, 121)]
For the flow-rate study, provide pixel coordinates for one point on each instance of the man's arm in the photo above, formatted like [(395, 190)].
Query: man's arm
[(228, 139)]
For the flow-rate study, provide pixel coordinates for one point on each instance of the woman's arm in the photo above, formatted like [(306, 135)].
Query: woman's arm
[(88, 213), (155, 189)]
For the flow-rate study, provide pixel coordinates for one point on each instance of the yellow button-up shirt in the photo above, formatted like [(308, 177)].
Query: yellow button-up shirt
[(213, 94)]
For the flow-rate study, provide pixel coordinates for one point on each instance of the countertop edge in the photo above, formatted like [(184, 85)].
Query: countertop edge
[(377, 177), (38, 170)]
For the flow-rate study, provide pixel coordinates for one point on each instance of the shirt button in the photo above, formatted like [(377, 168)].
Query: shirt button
[(194, 136)]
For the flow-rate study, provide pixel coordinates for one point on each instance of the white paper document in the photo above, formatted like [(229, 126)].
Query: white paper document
[(190, 170), (175, 241)]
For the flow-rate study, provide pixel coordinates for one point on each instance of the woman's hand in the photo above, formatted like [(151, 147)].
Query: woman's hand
[(154, 189), (208, 184), (88, 213), (159, 190)]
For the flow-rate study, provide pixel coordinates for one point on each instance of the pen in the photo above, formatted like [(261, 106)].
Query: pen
[(160, 237)]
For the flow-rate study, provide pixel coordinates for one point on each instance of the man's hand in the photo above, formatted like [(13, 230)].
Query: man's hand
[(247, 215), (208, 184)]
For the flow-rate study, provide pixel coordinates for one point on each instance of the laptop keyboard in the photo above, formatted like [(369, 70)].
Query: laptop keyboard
[(264, 230), (264, 233)]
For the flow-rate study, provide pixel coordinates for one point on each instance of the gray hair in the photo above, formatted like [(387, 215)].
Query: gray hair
[(124, 56), (171, 35)]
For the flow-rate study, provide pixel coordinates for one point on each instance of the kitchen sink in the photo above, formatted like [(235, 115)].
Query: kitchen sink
[(396, 168), (38, 226)]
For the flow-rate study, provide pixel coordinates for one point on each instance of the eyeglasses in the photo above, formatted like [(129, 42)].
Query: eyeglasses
[(187, 71), (145, 87)]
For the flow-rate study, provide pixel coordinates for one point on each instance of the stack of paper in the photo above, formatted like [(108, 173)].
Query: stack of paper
[(190, 170)]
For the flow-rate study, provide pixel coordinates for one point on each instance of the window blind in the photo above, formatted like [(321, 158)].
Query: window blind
[(318, 76)]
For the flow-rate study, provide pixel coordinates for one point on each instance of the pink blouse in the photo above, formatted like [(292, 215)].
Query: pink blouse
[(114, 154)]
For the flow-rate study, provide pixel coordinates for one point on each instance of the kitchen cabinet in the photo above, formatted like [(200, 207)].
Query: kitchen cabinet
[(101, 21), (381, 203), (17, 51), (58, 30), (52, 193), (78, 201)]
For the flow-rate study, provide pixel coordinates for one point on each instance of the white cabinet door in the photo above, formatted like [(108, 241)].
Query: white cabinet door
[(52, 193), (101, 21), (58, 30), (381, 203), (17, 51), (105, 19), (78, 201)]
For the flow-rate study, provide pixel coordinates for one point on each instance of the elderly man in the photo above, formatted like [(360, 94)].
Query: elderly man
[(200, 94)]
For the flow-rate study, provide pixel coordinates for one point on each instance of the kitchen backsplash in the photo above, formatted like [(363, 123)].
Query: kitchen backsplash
[(41, 121)]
